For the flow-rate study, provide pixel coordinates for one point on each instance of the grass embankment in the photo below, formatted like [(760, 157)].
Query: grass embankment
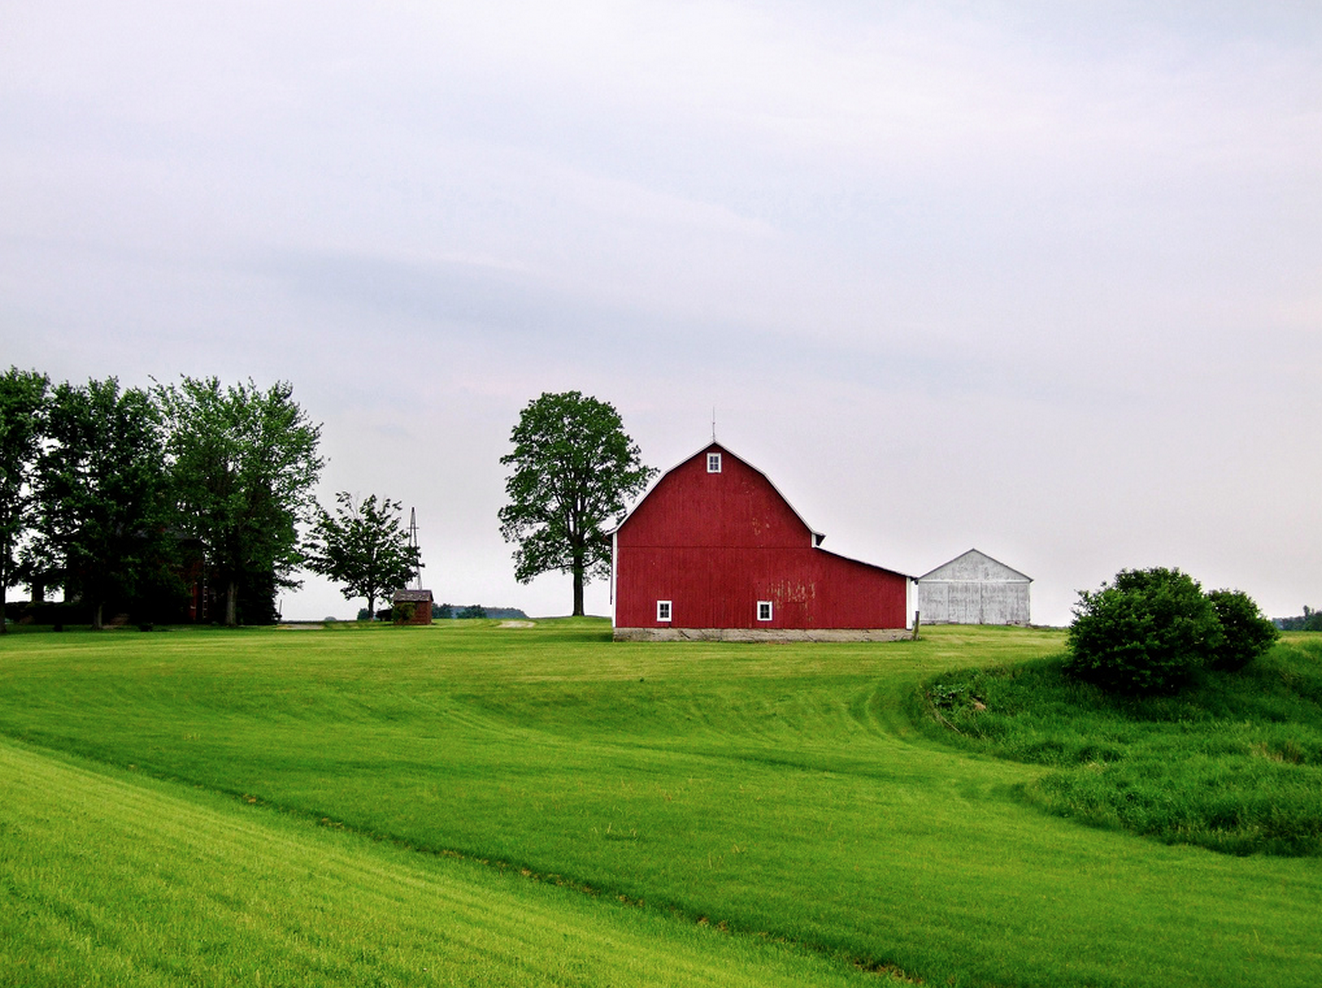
[(1232, 763), (781, 791)]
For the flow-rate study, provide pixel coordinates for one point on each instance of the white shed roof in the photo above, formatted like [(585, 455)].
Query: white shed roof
[(975, 566)]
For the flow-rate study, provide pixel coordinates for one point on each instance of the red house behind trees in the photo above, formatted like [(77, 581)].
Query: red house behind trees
[(715, 551)]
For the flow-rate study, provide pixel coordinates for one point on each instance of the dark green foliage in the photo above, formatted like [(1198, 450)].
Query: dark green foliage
[(364, 546), (472, 611), (1148, 632), (1245, 633), (1233, 763), (22, 408), (574, 470), (103, 494), (445, 611), (49, 613), (243, 464)]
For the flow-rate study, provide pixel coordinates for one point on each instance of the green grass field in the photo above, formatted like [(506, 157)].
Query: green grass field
[(543, 806)]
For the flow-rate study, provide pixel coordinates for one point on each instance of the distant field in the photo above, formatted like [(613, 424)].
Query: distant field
[(263, 800)]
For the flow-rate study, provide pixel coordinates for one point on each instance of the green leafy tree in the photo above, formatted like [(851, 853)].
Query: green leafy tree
[(243, 462), (22, 410), (103, 493), (364, 546), (1245, 633), (574, 471), (1149, 631)]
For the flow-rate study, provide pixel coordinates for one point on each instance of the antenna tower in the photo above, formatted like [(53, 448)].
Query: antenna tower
[(413, 543)]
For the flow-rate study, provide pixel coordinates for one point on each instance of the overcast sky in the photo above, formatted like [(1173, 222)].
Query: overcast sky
[(1037, 278)]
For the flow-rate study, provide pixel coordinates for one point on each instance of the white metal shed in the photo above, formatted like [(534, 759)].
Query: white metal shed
[(974, 589)]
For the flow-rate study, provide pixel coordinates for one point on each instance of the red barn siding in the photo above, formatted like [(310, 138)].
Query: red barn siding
[(714, 544)]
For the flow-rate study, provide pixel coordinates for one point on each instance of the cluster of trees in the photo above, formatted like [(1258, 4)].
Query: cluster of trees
[(1310, 620), (463, 613), (1153, 630), (129, 498), (123, 495)]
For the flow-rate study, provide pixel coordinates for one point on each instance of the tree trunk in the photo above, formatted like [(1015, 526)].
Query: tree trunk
[(371, 608), (578, 591), (232, 604), (3, 623), (98, 622)]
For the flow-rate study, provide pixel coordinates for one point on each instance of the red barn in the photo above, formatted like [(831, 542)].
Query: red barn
[(715, 551)]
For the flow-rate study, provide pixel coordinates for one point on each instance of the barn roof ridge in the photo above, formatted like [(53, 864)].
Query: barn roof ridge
[(984, 555)]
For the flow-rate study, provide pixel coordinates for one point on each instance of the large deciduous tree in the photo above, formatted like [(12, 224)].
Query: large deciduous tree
[(364, 546), (103, 493), (574, 470), (244, 462), (22, 407)]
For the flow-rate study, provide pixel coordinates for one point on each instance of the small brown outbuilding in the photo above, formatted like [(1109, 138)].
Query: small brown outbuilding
[(412, 607)]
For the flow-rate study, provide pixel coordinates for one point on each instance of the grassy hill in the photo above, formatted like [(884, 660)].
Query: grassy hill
[(350, 806)]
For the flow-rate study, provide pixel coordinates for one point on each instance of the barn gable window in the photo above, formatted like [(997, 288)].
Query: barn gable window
[(764, 610), (663, 610), (713, 462)]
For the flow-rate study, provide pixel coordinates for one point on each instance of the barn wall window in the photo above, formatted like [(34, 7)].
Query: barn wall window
[(764, 610), (713, 462), (663, 610)]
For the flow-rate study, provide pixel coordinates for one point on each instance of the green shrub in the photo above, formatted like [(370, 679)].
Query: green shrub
[(1148, 632), (1245, 633)]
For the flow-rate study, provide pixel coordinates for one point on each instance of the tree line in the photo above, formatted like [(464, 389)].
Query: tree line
[(190, 494), (1310, 620)]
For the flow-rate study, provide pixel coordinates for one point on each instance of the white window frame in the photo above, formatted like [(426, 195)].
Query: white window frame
[(664, 610), (769, 610), (713, 462)]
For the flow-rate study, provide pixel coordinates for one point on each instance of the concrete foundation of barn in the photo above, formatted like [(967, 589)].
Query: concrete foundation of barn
[(761, 634)]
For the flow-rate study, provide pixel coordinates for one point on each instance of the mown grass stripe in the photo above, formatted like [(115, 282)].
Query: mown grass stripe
[(108, 880)]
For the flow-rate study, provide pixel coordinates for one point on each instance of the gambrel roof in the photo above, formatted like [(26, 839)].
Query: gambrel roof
[(715, 447), (816, 537)]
